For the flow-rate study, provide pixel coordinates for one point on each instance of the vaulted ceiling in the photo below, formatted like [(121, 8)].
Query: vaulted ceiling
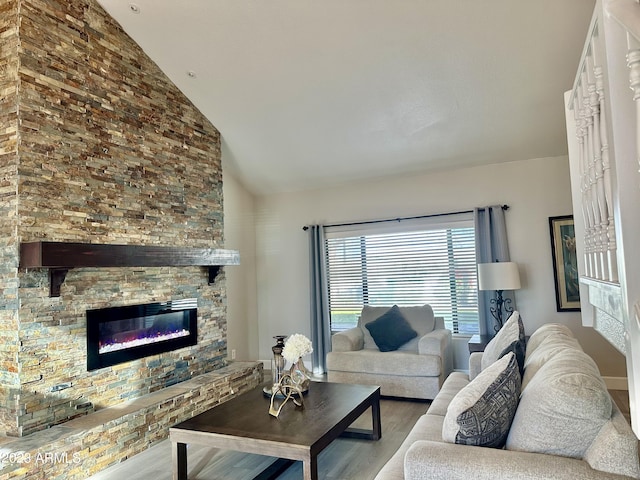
[(310, 93)]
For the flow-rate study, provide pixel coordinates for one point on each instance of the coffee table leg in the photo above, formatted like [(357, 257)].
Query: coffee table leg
[(376, 427), (179, 457), (376, 433), (310, 468)]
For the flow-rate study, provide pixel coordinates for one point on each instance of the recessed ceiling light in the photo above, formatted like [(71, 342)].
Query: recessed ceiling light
[(134, 8)]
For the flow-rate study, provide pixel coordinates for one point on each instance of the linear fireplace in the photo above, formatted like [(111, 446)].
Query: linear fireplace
[(120, 334)]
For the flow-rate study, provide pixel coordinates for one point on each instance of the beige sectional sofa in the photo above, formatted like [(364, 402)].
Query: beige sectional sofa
[(566, 426)]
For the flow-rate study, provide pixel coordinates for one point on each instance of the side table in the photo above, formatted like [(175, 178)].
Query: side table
[(477, 342)]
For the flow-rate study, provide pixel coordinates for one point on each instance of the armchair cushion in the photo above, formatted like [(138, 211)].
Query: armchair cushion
[(391, 330), (374, 362)]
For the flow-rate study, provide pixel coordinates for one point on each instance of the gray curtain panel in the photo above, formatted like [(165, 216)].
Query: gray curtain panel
[(491, 246), (320, 324)]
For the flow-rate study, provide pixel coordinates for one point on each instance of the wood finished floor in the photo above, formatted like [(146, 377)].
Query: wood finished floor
[(344, 459)]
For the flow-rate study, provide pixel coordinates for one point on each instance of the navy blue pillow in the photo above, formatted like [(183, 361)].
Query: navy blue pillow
[(391, 330), (518, 347)]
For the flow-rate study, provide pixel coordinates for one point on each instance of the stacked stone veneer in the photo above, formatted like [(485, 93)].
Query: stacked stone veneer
[(9, 340), (98, 146), (88, 444)]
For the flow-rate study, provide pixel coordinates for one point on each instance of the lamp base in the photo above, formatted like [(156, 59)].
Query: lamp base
[(500, 302)]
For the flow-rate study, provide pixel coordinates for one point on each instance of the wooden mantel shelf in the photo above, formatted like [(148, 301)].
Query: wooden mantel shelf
[(60, 257)]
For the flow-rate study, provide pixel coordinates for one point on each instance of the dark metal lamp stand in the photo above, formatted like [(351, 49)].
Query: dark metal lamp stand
[(496, 311)]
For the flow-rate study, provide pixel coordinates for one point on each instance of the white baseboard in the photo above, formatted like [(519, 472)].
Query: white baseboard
[(616, 383)]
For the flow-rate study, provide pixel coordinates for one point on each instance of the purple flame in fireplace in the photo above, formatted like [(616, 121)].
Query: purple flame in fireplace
[(120, 334)]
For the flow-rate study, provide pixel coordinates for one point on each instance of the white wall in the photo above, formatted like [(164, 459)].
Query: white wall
[(534, 189), (240, 234)]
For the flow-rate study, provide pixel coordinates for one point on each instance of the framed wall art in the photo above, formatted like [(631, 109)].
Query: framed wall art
[(565, 263)]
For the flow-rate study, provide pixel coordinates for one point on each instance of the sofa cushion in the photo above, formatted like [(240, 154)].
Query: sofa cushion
[(428, 427), (510, 338), (562, 408), (421, 319), (390, 330), (481, 413), (544, 351), (455, 382), (545, 331)]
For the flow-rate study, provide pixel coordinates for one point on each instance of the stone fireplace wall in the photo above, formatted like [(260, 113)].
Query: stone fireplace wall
[(100, 147), (9, 380)]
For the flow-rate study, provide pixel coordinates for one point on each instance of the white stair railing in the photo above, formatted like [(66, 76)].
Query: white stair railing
[(588, 104)]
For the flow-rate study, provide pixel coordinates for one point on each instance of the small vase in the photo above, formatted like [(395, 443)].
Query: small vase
[(300, 376)]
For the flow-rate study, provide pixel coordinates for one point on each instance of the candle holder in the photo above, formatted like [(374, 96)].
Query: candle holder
[(277, 365)]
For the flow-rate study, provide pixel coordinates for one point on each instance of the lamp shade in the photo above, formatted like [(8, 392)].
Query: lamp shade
[(498, 276)]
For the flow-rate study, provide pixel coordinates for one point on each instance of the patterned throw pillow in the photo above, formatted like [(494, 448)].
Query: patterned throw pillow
[(481, 413), (391, 330)]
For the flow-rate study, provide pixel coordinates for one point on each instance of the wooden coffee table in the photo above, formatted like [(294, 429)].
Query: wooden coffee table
[(244, 424)]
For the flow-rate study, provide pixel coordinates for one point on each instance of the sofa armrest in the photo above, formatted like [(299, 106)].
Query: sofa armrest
[(475, 364), (440, 461), (347, 341)]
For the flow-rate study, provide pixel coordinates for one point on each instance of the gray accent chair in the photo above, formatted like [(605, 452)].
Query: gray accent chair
[(416, 370)]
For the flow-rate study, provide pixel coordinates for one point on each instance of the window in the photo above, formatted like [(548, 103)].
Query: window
[(432, 264)]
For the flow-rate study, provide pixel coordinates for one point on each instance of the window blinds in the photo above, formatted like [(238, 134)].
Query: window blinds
[(433, 265)]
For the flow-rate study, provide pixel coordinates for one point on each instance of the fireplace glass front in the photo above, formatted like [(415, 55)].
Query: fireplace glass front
[(120, 334)]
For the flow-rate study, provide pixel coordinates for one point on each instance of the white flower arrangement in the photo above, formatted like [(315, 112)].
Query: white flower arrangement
[(296, 346)]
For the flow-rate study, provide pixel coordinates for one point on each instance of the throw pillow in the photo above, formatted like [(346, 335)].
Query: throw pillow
[(421, 319), (481, 413), (369, 314), (391, 330), (510, 338)]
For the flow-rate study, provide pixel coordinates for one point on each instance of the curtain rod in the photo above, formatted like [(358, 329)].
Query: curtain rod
[(305, 228)]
